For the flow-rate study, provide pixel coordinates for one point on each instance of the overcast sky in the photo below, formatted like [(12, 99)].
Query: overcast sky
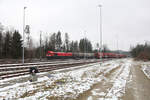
[(127, 20)]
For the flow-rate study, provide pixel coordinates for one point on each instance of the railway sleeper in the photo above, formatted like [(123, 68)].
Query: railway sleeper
[(40, 68)]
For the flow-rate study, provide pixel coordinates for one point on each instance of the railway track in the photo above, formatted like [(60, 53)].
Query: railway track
[(39, 63), (15, 70)]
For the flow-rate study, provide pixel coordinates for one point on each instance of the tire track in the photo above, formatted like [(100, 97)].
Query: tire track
[(105, 88), (139, 87)]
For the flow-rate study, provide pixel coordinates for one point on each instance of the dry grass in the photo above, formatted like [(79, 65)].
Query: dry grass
[(43, 87)]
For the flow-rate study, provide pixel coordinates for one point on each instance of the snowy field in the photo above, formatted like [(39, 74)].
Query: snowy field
[(96, 81)]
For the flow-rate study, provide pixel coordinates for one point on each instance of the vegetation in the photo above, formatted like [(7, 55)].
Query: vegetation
[(141, 51), (11, 45), (16, 45), (85, 45)]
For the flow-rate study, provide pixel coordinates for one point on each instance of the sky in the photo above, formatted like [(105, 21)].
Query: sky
[(125, 21)]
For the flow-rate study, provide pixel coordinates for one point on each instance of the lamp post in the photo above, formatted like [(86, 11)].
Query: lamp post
[(117, 46), (40, 45), (23, 33), (100, 6)]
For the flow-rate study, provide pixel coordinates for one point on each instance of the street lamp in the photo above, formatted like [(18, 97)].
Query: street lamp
[(40, 45), (100, 6), (23, 33)]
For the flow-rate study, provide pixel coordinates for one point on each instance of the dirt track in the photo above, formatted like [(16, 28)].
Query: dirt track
[(139, 87), (105, 89)]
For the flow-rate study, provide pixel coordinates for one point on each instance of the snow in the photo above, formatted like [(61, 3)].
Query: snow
[(70, 83), (90, 98), (146, 69), (119, 81), (118, 88)]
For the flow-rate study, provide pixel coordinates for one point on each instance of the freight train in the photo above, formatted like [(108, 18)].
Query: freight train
[(65, 55)]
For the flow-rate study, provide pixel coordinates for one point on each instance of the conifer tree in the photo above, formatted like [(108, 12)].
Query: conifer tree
[(85, 45), (16, 45), (1, 44), (7, 45)]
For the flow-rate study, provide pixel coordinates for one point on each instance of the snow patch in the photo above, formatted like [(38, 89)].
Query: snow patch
[(69, 84), (118, 88), (146, 70)]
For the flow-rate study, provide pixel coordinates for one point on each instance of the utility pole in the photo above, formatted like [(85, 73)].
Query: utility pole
[(100, 6), (85, 45), (23, 33), (40, 45), (117, 45)]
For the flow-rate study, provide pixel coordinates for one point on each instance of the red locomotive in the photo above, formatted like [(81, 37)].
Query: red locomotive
[(56, 55), (63, 55)]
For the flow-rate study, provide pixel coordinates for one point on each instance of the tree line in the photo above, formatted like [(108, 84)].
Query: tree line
[(11, 45), (55, 43), (141, 51)]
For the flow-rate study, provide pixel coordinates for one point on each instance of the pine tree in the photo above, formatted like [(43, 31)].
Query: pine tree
[(7, 45), (82, 45), (85, 45), (76, 46), (16, 45), (1, 39), (1, 44)]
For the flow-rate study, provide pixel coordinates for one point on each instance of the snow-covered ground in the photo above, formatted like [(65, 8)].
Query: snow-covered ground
[(71, 83), (146, 69)]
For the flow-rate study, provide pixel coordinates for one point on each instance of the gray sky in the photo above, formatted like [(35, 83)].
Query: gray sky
[(129, 20)]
